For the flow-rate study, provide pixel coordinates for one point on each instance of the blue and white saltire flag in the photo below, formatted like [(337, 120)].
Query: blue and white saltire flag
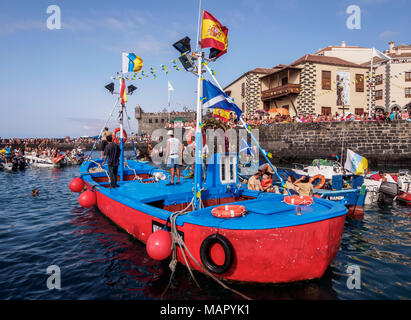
[(355, 163), (246, 147), (214, 98)]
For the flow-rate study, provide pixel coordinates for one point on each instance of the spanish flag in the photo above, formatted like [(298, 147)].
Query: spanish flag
[(213, 35), (123, 94), (221, 114)]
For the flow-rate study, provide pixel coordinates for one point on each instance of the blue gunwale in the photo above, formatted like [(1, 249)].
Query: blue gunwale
[(261, 211)]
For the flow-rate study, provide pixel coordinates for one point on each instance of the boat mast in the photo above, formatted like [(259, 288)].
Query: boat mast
[(122, 106), (199, 138)]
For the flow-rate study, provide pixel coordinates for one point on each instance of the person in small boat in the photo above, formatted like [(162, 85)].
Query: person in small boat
[(35, 192), (104, 141), (112, 153), (254, 182), (174, 151), (290, 185), (304, 187)]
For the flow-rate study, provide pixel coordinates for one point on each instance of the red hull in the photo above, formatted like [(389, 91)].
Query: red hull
[(355, 212), (269, 256), (405, 198)]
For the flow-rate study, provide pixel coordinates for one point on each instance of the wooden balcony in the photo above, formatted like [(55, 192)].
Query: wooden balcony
[(277, 92)]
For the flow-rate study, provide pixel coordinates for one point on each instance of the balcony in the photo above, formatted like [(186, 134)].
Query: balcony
[(280, 91)]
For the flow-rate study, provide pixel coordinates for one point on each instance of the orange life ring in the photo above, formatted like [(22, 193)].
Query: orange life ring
[(190, 135), (321, 183), (298, 200), (115, 138), (228, 211)]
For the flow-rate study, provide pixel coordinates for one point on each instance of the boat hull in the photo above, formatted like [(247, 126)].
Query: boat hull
[(274, 255)]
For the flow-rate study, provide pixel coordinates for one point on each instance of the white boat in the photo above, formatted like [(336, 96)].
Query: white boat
[(38, 162)]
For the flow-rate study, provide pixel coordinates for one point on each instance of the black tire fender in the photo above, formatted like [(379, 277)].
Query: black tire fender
[(205, 256)]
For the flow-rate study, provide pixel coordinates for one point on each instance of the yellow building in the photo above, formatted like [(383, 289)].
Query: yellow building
[(316, 84)]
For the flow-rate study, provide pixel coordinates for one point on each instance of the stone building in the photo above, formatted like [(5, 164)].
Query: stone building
[(245, 90), (150, 121), (316, 84), (392, 82)]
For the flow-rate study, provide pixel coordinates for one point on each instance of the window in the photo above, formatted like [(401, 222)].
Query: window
[(408, 76), (378, 79), (326, 80), (162, 120), (408, 92), (150, 121), (359, 111), (156, 120), (326, 111), (284, 81), (378, 94), (359, 83), (243, 90)]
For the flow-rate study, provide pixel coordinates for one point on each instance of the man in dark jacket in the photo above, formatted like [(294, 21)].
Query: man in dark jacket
[(112, 152)]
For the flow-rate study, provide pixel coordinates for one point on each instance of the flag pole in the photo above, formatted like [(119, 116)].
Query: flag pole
[(251, 135), (371, 82), (199, 138)]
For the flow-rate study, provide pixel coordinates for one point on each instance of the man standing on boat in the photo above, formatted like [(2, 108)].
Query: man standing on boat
[(174, 153), (112, 152)]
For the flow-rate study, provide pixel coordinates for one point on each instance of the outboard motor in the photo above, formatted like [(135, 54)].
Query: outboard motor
[(21, 163), (15, 163), (388, 191)]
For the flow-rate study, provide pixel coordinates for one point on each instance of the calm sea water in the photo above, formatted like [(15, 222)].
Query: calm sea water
[(99, 261)]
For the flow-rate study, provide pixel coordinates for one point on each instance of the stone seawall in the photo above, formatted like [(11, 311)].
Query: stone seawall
[(384, 145)]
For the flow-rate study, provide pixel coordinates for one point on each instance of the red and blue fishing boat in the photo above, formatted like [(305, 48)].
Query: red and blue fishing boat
[(214, 224)]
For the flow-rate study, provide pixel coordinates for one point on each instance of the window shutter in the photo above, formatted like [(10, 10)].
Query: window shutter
[(326, 80), (359, 83)]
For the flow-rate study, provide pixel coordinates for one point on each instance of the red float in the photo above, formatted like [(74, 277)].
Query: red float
[(159, 245), (76, 185), (87, 199)]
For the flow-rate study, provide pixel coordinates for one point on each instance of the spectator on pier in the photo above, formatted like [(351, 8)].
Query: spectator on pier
[(174, 152)]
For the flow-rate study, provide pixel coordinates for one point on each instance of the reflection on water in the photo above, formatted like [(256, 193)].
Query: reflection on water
[(100, 261)]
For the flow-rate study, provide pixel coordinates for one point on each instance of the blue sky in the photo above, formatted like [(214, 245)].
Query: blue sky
[(52, 82)]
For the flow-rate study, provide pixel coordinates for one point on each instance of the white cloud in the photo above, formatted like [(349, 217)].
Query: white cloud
[(388, 34)]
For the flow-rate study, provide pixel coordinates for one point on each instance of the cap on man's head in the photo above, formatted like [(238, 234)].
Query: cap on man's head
[(270, 170), (170, 133)]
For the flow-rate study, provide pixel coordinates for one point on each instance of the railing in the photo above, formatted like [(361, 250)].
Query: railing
[(280, 91)]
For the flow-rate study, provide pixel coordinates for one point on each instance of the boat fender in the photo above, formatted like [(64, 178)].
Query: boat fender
[(321, 183), (205, 256), (115, 137)]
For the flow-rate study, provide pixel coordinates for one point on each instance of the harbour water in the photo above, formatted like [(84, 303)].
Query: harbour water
[(97, 260)]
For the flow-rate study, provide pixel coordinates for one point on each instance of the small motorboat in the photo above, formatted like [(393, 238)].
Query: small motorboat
[(39, 162), (404, 198)]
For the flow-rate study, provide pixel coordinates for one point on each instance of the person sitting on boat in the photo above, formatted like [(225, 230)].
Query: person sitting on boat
[(174, 151), (267, 183), (254, 182), (112, 153), (304, 187), (290, 186), (266, 168), (104, 141)]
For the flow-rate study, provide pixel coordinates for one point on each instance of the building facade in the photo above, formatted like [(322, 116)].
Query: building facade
[(246, 92), (316, 84), (392, 83)]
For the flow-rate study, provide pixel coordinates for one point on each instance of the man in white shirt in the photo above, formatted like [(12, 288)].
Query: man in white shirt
[(173, 155)]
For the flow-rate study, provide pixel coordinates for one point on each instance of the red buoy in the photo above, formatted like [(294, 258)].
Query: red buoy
[(87, 199), (158, 245), (76, 185)]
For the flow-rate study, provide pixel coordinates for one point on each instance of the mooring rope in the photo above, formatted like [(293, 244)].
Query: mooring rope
[(177, 239)]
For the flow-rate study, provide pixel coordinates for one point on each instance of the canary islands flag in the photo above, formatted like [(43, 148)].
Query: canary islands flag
[(131, 62), (213, 35), (123, 94), (355, 163), (214, 98)]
